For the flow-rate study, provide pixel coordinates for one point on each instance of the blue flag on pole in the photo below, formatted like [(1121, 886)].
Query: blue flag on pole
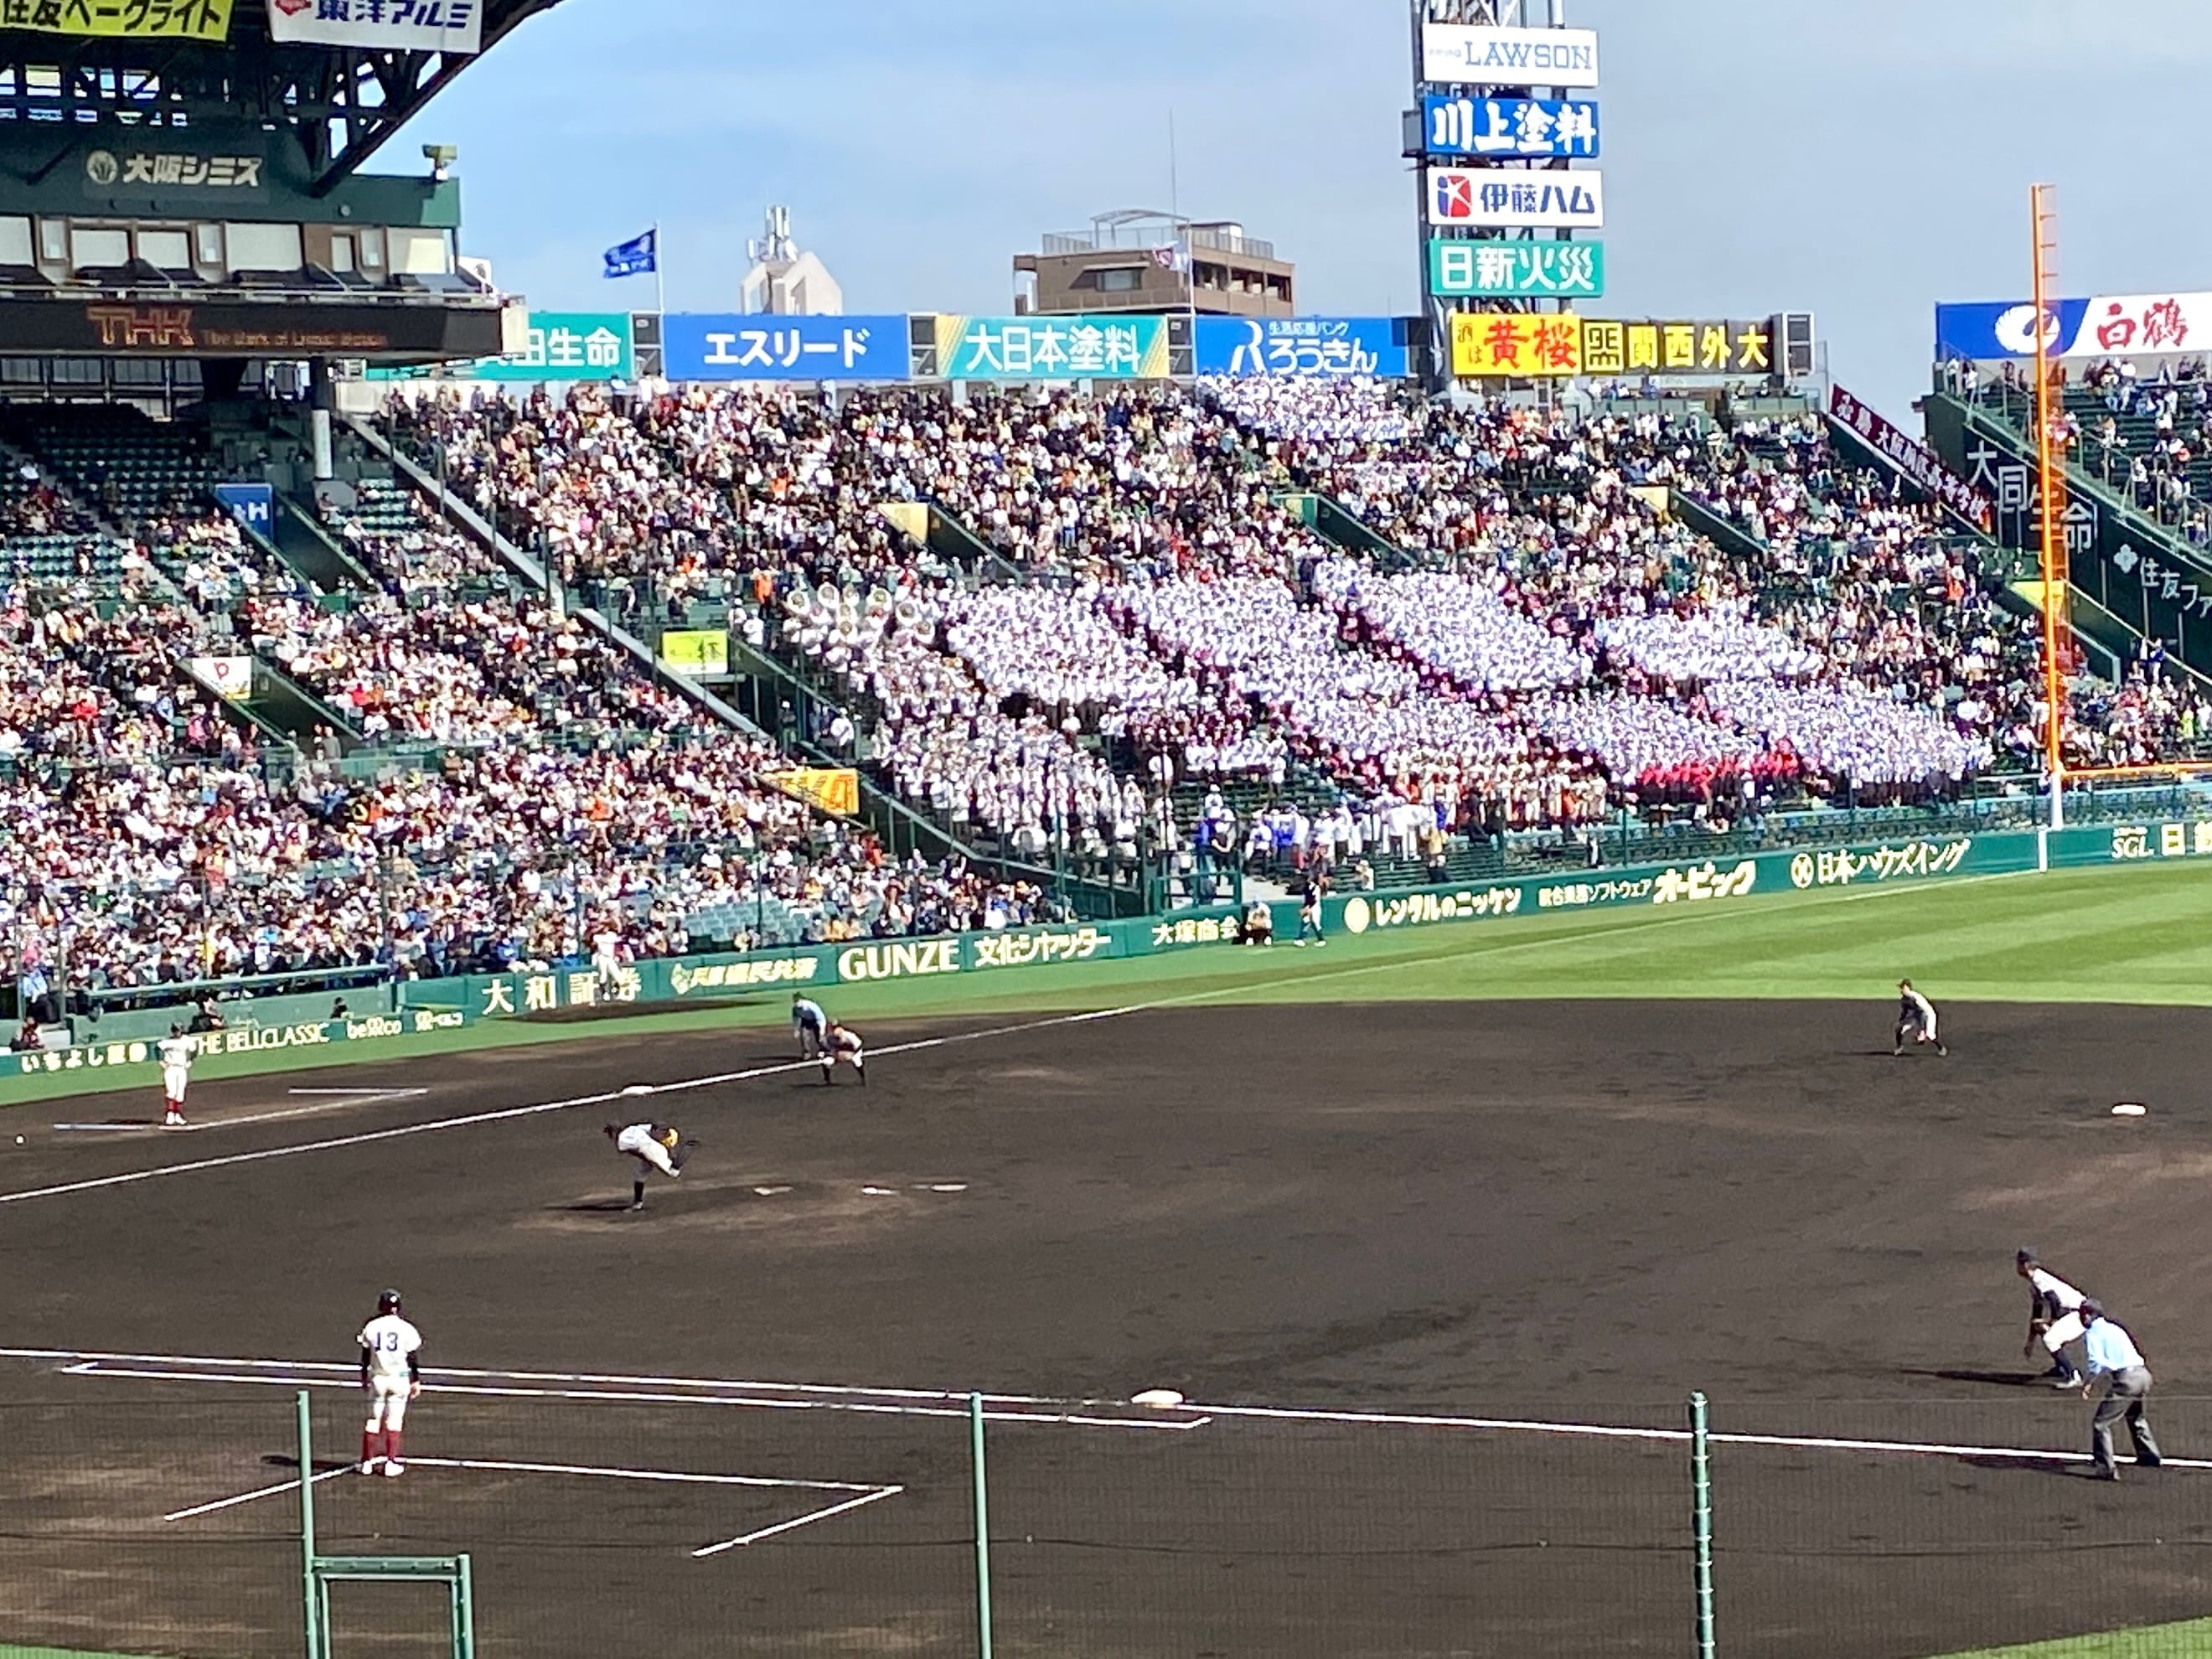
[(638, 257)]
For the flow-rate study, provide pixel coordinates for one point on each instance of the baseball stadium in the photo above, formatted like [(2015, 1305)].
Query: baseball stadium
[(1165, 975)]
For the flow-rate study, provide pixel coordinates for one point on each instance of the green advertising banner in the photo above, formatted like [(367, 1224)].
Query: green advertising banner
[(563, 345), (1071, 348), (1459, 269), (442, 1003)]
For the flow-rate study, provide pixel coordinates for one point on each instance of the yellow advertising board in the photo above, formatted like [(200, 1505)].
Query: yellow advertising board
[(123, 19), (1518, 344), (833, 788), (697, 651), (1524, 345)]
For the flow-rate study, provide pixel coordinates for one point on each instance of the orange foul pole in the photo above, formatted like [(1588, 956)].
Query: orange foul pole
[(2051, 476)]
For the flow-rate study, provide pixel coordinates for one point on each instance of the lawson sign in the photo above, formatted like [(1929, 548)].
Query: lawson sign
[(1465, 56), (2108, 325), (1300, 347)]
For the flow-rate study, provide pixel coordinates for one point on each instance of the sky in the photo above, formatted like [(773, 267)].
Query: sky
[(1858, 159)]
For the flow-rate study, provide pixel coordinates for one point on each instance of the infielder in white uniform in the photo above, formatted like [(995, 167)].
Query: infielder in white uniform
[(2054, 1317), (842, 1042), (655, 1146), (808, 1024), (1915, 1019), (392, 1376), (176, 1051)]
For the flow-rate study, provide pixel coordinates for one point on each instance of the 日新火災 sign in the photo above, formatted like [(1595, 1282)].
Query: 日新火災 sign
[(1514, 198), (1570, 270)]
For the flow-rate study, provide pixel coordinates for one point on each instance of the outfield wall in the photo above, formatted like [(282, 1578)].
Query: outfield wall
[(428, 1006)]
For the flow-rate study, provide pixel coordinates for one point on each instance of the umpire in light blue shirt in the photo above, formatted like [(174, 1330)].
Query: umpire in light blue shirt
[(2112, 1352)]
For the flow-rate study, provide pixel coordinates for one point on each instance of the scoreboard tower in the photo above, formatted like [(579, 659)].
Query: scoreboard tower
[(1504, 103)]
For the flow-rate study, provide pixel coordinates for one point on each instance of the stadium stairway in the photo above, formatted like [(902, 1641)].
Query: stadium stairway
[(1337, 525), (901, 826), (2113, 547)]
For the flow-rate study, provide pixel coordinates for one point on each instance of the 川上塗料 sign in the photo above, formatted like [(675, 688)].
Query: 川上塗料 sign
[(1072, 347), (1466, 55), (1569, 270), (1524, 129), (1490, 199)]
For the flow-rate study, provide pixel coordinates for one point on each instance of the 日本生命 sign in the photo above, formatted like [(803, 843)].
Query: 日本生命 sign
[(709, 346), (1521, 344), (1515, 199), (1468, 56), (123, 19), (1073, 347), (1919, 464), (390, 25), (1570, 270), (1300, 347), (1521, 128), (2109, 325), (568, 345)]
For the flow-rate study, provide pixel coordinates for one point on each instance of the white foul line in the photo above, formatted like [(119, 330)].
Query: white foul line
[(628, 1388), (259, 1491), (645, 1391), (502, 1113), (874, 1497)]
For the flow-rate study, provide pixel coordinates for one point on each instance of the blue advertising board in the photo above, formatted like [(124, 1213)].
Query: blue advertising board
[(254, 505), (2002, 328), (1301, 348), (2103, 325), (719, 346), (1523, 128)]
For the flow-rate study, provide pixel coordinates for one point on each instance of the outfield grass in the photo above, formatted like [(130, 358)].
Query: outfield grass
[(2139, 935), (2191, 1640)]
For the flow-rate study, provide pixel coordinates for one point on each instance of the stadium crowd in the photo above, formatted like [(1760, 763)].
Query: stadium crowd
[(1536, 639)]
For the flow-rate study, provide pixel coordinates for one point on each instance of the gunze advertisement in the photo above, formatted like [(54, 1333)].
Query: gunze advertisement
[(428, 1006)]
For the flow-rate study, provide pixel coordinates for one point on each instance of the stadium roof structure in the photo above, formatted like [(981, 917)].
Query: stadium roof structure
[(345, 101)]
